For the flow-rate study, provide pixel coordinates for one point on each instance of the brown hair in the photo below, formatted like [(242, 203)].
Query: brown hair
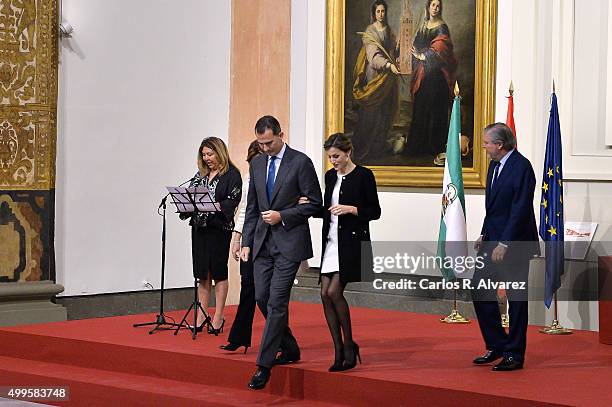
[(427, 16), (375, 6), (220, 149), (339, 141), (253, 151)]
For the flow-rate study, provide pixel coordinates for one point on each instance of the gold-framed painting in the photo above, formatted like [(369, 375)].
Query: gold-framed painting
[(391, 67)]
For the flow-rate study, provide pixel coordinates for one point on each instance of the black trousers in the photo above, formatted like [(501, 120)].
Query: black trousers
[(242, 328), (514, 342), (274, 275)]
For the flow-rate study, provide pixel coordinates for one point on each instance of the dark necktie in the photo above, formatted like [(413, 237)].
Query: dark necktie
[(271, 177), (495, 173)]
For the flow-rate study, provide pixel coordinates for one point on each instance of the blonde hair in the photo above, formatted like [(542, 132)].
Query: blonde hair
[(220, 149)]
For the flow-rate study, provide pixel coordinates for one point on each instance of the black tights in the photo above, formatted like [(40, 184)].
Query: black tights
[(337, 313)]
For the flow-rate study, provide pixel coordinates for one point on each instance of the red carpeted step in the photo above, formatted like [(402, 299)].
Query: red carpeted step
[(91, 387), (407, 357), (154, 362), (187, 361)]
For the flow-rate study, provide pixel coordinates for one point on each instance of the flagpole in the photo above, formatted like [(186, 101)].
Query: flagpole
[(556, 328), (454, 317), (553, 205), (505, 318)]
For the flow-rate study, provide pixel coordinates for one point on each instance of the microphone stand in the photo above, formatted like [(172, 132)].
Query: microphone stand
[(161, 324)]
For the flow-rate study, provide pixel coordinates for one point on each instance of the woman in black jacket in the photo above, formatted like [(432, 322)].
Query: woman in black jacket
[(211, 233), (349, 204)]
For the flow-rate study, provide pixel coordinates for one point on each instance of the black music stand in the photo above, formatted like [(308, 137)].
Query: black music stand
[(193, 200), (161, 323)]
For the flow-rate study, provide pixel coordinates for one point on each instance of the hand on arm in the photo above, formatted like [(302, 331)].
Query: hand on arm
[(271, 217), (339, 210), (309, 189)]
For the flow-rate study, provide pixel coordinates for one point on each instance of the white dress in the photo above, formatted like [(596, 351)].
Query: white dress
[(330, 262)]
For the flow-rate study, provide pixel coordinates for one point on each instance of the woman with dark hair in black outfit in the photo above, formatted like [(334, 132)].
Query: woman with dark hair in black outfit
[(349, 204), (242, 328), (211, 233)]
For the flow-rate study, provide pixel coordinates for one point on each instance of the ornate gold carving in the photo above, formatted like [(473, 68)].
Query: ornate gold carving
[(17, 36), (16, 151), (28, 94)]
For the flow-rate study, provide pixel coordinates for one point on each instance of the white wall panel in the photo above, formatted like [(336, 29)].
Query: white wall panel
[(141, 83)]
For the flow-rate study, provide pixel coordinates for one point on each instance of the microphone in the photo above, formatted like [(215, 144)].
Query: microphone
[(163, 201), (189, 180)]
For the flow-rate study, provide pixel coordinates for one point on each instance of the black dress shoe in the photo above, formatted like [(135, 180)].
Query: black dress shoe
[(488, 357), (286, 358), (260, 378), (507, 365), (232, 347)]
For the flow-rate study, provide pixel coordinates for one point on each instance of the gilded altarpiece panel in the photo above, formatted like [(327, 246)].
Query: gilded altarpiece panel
[(28, 110)]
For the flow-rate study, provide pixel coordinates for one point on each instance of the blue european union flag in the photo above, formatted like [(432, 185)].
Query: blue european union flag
[(551, 205)]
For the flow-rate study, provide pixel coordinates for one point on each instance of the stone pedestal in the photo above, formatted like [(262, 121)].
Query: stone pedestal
[(30, 303)]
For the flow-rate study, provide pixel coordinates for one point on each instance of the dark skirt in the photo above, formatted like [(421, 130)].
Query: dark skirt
[(210, 252)]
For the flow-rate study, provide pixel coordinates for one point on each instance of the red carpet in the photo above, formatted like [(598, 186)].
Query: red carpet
[(409, 359)]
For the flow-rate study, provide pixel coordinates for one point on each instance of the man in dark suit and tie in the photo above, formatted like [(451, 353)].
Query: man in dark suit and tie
[(277, 235), (507, 242)]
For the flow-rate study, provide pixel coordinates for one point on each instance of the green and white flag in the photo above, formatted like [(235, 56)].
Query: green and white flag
[(452, 239)]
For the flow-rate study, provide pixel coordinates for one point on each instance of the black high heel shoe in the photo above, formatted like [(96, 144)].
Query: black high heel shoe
[(350, 364), (232, 347), (338, 362), (216, 331), (338, 366), (198, 328)]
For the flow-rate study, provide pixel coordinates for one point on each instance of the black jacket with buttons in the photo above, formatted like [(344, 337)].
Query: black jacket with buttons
[(358, 189)]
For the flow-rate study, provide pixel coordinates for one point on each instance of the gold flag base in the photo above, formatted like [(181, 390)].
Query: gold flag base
[(455, 318), (555, 329)]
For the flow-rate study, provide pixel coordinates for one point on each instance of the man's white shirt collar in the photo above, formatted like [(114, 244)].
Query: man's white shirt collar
[(280, 154)]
